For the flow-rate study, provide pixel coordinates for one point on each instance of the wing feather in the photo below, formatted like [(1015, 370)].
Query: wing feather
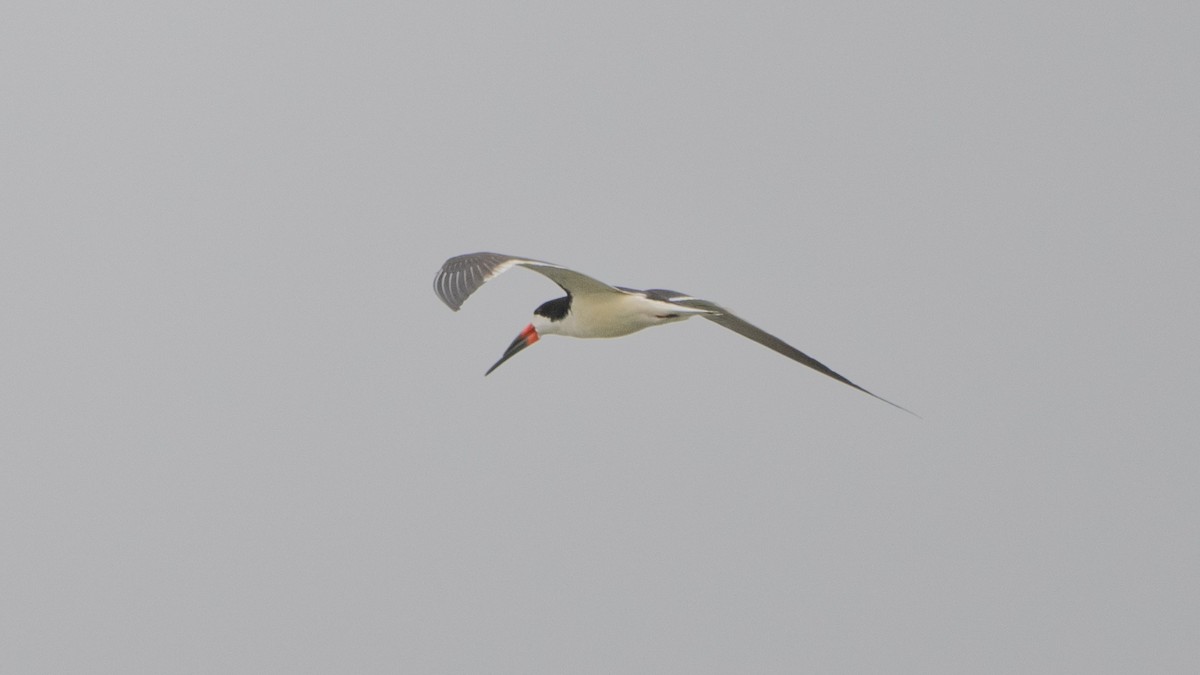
[(723, 317), (462, 275)]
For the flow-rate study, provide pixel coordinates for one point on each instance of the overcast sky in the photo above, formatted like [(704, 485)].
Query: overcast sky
[(240, 434)]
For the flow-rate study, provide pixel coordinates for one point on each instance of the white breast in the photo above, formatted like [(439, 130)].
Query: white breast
[(609, 315)]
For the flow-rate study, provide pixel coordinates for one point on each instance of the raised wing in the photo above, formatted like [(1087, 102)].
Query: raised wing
[(720, 315), (462, 275)]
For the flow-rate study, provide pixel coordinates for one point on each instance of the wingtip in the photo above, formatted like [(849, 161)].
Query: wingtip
[(897, 405)]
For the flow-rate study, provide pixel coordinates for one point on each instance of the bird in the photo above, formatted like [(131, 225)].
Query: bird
[(594, 309)]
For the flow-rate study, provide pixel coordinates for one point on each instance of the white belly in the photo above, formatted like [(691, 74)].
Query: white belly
[(610, 315)]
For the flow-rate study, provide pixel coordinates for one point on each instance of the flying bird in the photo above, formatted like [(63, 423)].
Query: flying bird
[(593, 309)]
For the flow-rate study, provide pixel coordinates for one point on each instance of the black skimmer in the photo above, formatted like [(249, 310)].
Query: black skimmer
[(593, 309)]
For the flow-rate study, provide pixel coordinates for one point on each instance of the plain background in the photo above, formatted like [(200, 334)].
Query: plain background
[(241, 435)]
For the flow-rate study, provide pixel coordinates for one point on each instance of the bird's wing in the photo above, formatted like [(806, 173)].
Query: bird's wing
[(462, 275), (721, 316)]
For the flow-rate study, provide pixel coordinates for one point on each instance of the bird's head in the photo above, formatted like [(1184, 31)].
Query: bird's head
[(545, 321)]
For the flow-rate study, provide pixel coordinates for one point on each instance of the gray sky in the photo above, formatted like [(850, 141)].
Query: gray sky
[(241, 434)]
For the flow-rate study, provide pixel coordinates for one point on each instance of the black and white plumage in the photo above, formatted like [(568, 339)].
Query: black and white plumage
[(593, 309)]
